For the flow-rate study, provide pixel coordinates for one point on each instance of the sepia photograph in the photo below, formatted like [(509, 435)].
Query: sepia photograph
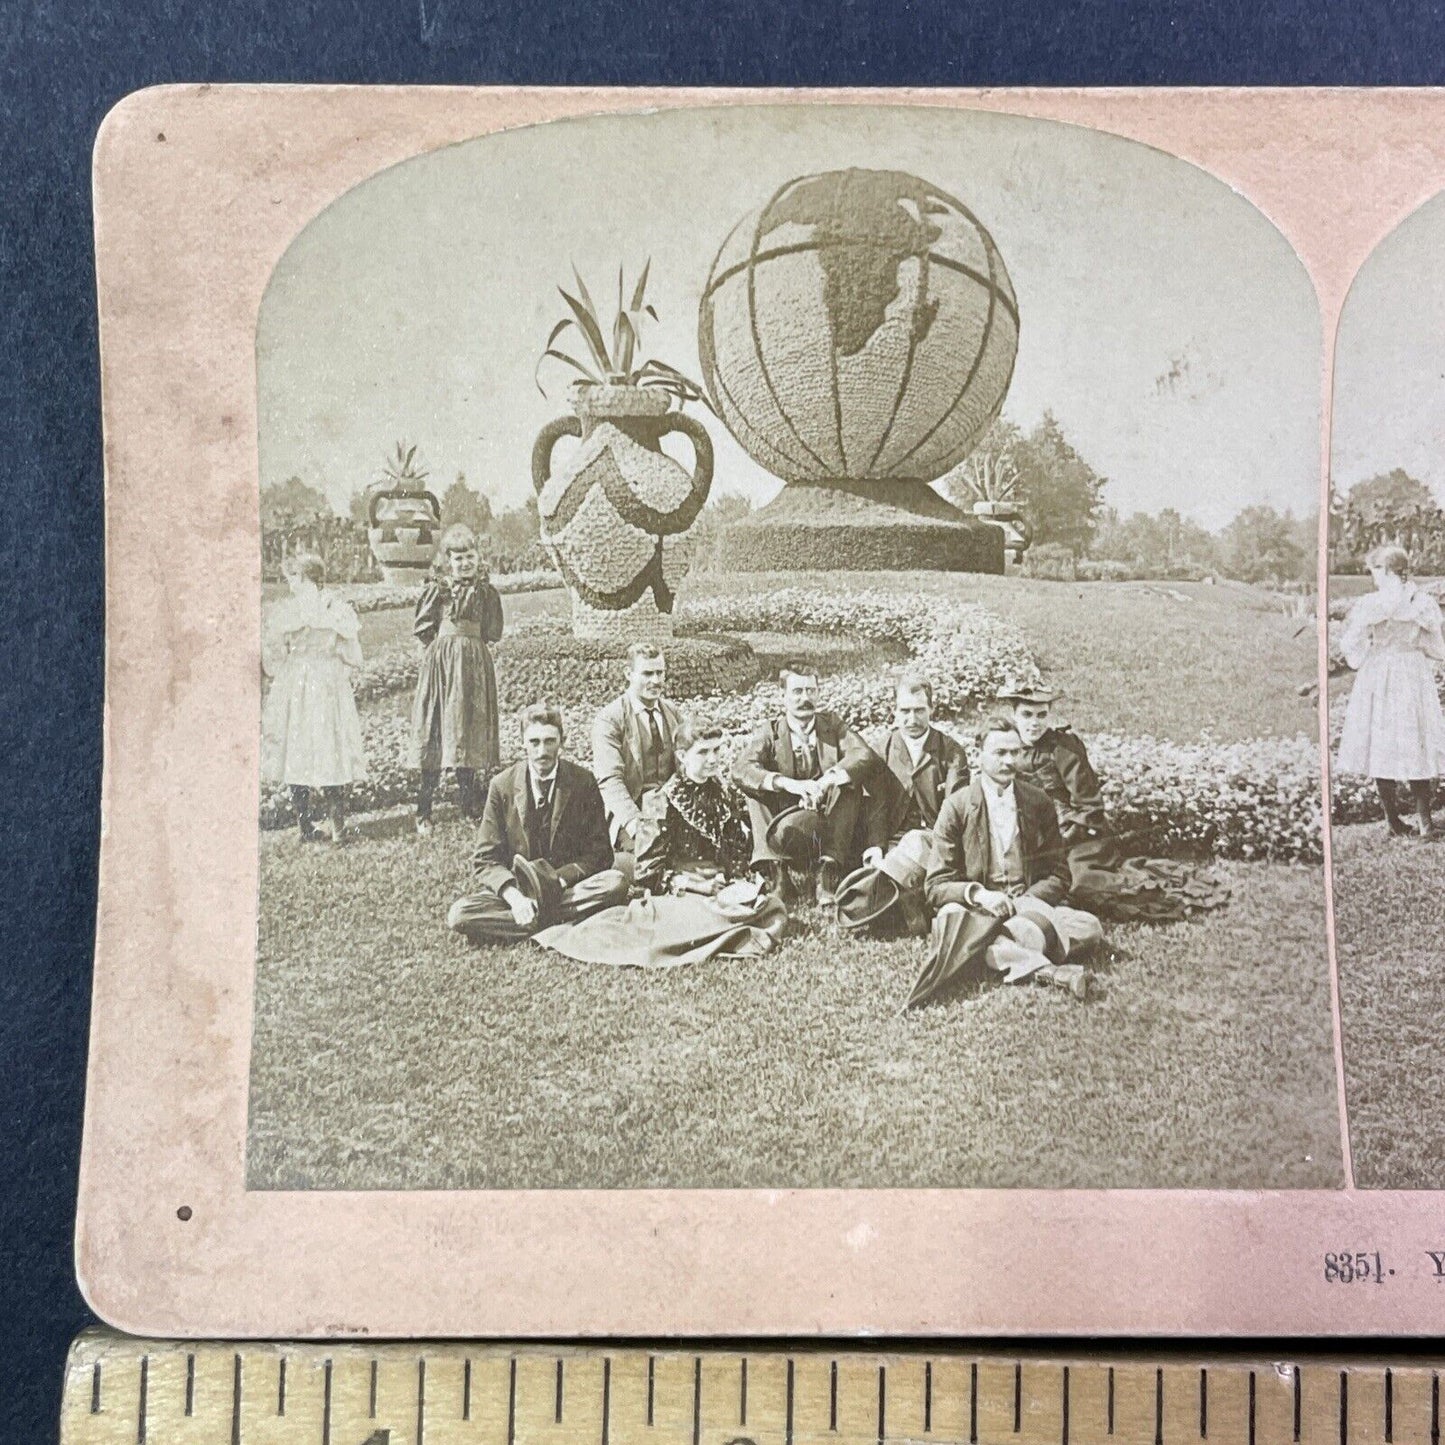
[(790, 655), (1387, 727)]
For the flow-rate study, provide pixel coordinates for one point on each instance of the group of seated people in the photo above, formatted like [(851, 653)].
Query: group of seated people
[(663, 854)]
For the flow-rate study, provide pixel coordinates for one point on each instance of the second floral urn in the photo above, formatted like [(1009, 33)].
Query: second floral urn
[(615, 514)]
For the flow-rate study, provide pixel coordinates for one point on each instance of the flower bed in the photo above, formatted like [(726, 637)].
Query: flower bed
[(966, 651), (1249, 800)]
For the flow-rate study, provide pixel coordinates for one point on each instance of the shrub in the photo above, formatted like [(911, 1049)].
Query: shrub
[(830, 528), (1050, 562), (542, 663), (379, 596)]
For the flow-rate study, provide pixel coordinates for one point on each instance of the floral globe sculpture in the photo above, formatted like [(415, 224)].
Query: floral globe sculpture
[(857, 334)]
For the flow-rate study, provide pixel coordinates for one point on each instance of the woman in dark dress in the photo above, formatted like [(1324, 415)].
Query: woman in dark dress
[(454, 713), (700, 896)]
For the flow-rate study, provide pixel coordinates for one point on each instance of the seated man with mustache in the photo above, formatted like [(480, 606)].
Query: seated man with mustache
[(804, 774), (999, 881)]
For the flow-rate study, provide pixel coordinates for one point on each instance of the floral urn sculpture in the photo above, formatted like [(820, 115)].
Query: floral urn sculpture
[(857, 334), (403, 519), (615, 513)]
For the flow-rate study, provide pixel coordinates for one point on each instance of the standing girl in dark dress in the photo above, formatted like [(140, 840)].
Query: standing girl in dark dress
[(454, 714)]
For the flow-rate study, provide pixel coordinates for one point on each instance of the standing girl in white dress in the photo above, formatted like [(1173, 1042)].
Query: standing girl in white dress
[(1394, 728), (310, 730)]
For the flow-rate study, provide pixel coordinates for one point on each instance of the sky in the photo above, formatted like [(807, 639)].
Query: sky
[(1389, 408), (1165, 322)]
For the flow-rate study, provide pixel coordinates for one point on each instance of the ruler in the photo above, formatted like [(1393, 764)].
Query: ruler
[(120, 1390)]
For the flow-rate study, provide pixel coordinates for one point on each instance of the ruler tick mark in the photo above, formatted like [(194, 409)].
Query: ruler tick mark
[(236, 1401), (512, 1402), (788, 1431), (95, 1389), (371, 1403), (1251, 1407), (1344, 1408), (606, 1399), (1018, 1398), (882, 1402), (973, 1404), (833, 1396), (696, 1399), (1110, 1410), (140, 1424), (1297, 1407), (1389, 1408), (281, 1388), (651, 1363), (1204, 1404), (420, 1400), (557, 1417), (466, 1389), (927, 1397), (190, 1385), (1064, 1410), (1158, 1407), (743, 1392), (1434, 1410), (326, 1404)]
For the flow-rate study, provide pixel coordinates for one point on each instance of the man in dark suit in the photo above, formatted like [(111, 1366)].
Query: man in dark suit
[(804, 774), (999, 879), (632, 746), (922, 767), (543, 855)]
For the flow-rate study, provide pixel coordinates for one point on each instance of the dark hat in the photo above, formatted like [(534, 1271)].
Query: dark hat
[(864, 896), (1015, 691), (795, 835), (539, 881)]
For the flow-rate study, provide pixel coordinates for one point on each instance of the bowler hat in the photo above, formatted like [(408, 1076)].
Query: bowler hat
[(795, 835), (538, 881), (864, 896)]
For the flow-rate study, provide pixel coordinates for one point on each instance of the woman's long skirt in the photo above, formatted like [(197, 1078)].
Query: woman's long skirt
[(454, 712)]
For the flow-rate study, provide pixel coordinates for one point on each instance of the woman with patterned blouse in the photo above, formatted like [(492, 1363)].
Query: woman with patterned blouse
[(700, 897)]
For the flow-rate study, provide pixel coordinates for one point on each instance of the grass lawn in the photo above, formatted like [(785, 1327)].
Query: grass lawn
[(1169, 659), (389, 1054), (1389, 923)]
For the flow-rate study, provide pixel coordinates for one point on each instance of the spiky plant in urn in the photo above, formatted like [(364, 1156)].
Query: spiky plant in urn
[(857, 333), (615, 514), (402, 518)]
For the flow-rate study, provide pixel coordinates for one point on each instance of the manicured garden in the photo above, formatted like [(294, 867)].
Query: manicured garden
[(388, 1054)]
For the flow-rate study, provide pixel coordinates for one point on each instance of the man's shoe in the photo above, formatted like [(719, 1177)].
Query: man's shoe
[(829, 875)]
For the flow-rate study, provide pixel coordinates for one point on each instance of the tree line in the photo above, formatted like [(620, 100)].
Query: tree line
[(1063, 498), (298, 517)]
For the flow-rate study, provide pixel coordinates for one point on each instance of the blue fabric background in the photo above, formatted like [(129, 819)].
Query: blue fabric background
[(63, 66)]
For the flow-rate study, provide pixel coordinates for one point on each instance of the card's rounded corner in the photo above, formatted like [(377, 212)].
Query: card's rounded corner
[(134, 113)]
